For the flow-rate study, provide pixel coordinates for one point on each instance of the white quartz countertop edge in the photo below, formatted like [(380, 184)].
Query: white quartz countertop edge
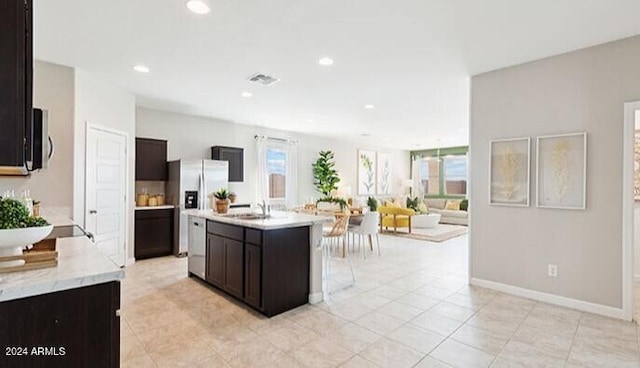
[(80, 264), (279, 220)]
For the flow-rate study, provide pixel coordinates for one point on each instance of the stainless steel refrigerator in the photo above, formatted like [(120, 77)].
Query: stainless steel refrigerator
[(191, 186)]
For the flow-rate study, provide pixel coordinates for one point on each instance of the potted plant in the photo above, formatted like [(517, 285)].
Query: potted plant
[(413, 203), (326, 179), (332, 200), (233, 197), (18, 229), (373, 204), (222, 200)]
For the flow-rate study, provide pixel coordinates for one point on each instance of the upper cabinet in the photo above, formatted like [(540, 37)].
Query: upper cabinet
[(235, 156), (151, 159), (16, 66)]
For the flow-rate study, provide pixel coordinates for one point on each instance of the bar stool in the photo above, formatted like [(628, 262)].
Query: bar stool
[(330, 236)]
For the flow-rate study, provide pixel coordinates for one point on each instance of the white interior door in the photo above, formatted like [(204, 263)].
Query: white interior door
[(105, 210)]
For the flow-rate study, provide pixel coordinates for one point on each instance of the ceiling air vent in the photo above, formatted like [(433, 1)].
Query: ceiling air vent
[(263, 79)]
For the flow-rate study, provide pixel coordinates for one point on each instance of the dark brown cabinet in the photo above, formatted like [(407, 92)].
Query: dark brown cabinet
[(267, 269), (215, 260), (81, 326), (154, 233), (16, 71), (151, 160), (253, 276), (225, 264), (234, 267), (235, 156)]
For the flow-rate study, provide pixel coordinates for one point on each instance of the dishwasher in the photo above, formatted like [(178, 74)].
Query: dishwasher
[(197, 247)]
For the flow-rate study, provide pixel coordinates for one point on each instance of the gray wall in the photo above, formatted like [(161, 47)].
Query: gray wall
[(53, 90), (575, 92)]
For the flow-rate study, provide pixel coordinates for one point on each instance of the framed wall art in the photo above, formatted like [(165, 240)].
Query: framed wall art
[(561, 171), (509, 171), (383, 179), (366, 172)]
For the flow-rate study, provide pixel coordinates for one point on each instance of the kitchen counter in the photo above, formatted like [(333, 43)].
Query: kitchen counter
[(279, 258), (278, 220), (163, 207), (80, 264)]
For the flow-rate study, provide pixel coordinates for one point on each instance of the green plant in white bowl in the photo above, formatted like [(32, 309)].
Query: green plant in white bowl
[(18, 229)]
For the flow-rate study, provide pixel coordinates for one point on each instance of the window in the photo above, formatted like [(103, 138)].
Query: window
[(277, 171), (442, 171), (430, 176), (455, 175)]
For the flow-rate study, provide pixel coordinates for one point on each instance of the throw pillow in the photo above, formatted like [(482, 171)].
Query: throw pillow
[(453, 205), (393, 204), (423, 207)]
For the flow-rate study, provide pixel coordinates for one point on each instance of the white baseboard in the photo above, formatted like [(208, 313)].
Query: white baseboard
[(580, 305), (636, 277), (130, 261), (316, 298)]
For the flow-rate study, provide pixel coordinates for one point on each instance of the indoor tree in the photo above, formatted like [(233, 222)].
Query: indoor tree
[(325, 177)]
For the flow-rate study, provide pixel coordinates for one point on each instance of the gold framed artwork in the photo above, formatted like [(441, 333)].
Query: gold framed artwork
[(561, 170), (509, 168)]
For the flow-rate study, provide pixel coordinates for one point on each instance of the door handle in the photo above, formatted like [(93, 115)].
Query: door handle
[(93, 212)]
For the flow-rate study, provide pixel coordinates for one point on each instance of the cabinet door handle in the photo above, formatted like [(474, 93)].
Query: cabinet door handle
[(118, 313), (93, 212)]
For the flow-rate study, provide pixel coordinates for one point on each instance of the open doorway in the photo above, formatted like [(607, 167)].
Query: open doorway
[(631, 212)]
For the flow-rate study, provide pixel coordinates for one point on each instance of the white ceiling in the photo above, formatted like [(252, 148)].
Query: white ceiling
[(410, 58)]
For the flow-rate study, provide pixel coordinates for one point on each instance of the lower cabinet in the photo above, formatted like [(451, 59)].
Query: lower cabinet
[(72, 328), (153, 233), (253, 275), (225, 264), (215, 260), (266, 269)]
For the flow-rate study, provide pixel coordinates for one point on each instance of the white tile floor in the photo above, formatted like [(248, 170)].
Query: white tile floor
[(411, 307)]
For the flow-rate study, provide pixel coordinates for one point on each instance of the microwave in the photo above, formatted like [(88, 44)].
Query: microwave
[(37, 145)]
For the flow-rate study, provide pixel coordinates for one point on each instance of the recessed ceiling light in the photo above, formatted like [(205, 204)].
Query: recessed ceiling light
[(369, 106), (141, 68), (365, 135), (198, 6), (246, 94), (326, 61)]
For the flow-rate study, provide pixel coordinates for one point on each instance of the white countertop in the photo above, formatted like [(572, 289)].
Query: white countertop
[(80, 264), (163, 207), (278, 220)]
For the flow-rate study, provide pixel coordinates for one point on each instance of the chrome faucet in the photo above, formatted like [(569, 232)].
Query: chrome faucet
[(266, 210)]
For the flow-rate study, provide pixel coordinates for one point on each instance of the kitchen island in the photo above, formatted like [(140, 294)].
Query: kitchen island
[(272, 264), (64, 316)]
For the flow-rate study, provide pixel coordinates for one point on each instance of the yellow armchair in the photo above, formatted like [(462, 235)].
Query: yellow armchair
[(395, 217)]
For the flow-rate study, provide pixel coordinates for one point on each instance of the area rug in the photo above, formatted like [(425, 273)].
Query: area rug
[(438, 234)]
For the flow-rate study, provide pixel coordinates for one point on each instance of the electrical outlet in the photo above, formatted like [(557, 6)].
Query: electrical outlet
[(552, 270)]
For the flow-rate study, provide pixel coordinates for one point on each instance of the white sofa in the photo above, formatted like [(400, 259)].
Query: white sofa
[(455, 217)]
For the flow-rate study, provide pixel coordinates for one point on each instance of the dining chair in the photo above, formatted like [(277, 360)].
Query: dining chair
[(367, 228)]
